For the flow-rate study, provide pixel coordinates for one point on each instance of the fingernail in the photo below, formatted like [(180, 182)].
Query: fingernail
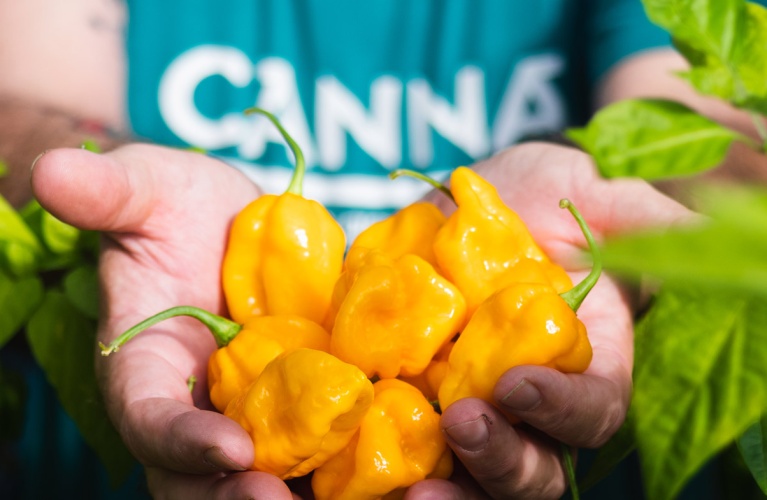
[(37, 158), (472, 435), (218, 459), (523, 397)]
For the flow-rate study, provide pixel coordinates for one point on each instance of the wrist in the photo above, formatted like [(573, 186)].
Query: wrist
[(28, 128)]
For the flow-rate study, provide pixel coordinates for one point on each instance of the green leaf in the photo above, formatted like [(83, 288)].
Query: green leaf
[(19, 297), (709, 26), (699, 381), (20, 249), (3, 168), (81, 287), (653, 139), (726, 251), (725, 42), (58, 237), (753, 447), (91, 145), (63, 340)]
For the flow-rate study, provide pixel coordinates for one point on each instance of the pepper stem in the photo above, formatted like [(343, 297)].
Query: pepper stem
[(575, 296), (223, 330), (567, 458), (423, 177), (296, 185)]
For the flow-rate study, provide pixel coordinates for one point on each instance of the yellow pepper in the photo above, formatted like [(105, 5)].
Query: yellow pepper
[(395, 315), (284, 253), (429, 381), (485, 246), (303, 409), (399, 442), (408, 231), (233, 368), (522, 324), (243, 350)]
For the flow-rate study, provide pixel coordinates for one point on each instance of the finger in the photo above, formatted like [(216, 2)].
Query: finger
[(176, 436), (435, 489), (121, 190), (460, 486), (256, 485), (507, 463), (578, 409)]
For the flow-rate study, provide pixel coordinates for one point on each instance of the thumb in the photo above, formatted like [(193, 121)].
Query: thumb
[(92, 191), (121, 190)]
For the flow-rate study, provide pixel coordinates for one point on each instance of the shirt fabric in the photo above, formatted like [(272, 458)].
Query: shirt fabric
[(368, 87)]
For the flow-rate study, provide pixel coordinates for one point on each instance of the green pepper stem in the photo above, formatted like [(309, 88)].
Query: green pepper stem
[(575, 296), (296, 185), (223, 330), (423, 177), (567, 458)]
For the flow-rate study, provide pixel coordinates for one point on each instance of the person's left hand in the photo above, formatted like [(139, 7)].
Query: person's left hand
[(580, 410)]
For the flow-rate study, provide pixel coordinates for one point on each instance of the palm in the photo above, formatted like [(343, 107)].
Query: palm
[(580, 410), (165, 216)]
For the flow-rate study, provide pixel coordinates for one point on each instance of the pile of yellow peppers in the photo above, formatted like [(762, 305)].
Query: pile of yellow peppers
[(335, 360)]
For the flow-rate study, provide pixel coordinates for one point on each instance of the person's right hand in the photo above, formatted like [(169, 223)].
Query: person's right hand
[(165, 215)]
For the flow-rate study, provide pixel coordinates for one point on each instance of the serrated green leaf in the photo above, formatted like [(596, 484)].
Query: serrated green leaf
[(753, 448), (709, 26), (727, 251), (725, 42), (62, 340), (81, 287), (699, 381), (653, 139), (19, 297), (20, 250)]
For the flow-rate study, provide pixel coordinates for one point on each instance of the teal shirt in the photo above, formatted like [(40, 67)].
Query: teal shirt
[(367, 87)]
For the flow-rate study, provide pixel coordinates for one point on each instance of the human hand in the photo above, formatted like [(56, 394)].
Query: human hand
[(580, 410), (165, 215)]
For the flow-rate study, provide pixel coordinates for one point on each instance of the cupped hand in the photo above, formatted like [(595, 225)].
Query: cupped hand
[(164, 214), (580, 410)]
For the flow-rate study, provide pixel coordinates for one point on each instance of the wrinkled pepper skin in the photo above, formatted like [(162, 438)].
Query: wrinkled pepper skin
[(399, 442), (430, 380), (283, 257), (524, 324), (396, 314), (231, 369), (304, 408), (284, 253), (485, 246), (408, 231)]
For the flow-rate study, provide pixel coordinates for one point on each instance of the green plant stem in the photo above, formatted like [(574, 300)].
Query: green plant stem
[(567, 458), (296, 185), (423, 177), (223, 330), (575, 296), (191, 382)]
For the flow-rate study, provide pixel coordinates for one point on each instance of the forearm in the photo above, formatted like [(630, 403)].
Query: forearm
[(27, 129), (651, 75), (61, 62)]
